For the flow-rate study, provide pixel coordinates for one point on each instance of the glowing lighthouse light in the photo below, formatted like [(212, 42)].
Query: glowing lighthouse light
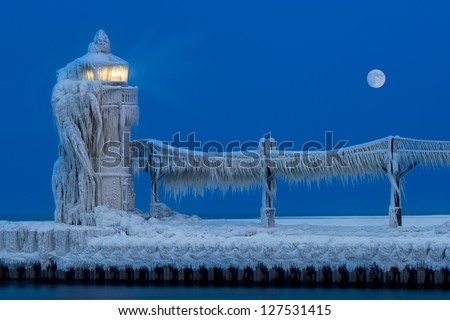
[(107, 73), (99, 64), (117, 73)]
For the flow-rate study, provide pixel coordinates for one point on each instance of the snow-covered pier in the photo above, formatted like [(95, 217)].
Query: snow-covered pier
[(183, 250)]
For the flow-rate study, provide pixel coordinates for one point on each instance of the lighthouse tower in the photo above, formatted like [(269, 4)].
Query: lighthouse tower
[(94, 110)]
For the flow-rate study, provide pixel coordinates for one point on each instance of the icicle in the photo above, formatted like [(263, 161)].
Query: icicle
[(77, 118), (360, 162)]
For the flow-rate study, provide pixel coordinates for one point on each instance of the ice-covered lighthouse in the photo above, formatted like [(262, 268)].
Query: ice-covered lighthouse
[(94, 109)]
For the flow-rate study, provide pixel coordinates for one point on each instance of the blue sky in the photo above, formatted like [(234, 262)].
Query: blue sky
[(234, 70)]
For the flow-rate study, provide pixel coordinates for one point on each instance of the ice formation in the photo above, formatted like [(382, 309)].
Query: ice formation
[(93, 108), (125, 240)]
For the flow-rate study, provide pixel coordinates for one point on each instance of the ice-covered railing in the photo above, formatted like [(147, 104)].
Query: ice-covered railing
[(424, 152), (125, 95), (353, 162), (189, 171)]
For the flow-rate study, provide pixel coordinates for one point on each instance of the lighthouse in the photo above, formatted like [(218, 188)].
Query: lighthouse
[(94, 109)]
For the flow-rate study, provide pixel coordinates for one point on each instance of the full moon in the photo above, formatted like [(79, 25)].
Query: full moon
[(376, 78)]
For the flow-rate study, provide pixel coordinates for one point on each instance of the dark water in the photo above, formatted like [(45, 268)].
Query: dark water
[(24, 290)]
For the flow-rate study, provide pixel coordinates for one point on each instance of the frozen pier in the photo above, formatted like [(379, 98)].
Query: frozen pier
[(329, 251)]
